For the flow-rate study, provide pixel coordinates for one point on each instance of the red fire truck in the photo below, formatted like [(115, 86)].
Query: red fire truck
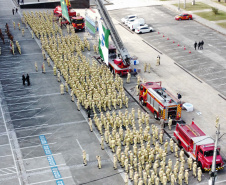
[(198, 145), (160, 101), (117, 65), (58, 12), (78, 23)]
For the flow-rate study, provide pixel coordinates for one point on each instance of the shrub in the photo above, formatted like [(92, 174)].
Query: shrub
[(215, 10)]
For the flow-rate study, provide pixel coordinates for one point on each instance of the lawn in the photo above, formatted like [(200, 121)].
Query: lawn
[(223, 24), (190, 7), (222, 2), (211, 16)]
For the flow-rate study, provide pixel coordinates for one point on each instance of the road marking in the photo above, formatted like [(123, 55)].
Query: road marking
[(32, 136), (4, 145), (22, 103), (51, 180), (5, 155), (3, 117), (23, 110), (197, 64), (215, 79), (37, 145), (27, 118), (79, 144), (19, 97), (40, 156), (44, 167), (31, 127)]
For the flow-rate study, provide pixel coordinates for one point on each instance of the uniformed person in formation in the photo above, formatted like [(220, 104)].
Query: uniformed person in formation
[(61, 88), (84, 157), (99, 161)]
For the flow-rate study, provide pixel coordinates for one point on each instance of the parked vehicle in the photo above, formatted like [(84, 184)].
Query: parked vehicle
[(138, 22), (128, 17), (160, 101), (130, 21), (144, 29), (198, 145), (184, 16)]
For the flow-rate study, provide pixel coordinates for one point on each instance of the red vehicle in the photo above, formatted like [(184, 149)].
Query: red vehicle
[(184, 16), (78, 23), (116, 65), (58, 12), (198, 145), (160, 101)]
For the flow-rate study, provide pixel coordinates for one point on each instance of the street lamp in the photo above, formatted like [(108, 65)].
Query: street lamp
[(213, 172)]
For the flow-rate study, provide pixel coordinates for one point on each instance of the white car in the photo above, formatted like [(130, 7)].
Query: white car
[(136, 23), (130, 21), (128, 17), (144, 29)]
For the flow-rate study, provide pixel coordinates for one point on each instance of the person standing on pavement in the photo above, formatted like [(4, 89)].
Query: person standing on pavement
[(202, 43), (23, 79), (199, 45), (195, 45), (28, 79), (13, 11), (16, 10)]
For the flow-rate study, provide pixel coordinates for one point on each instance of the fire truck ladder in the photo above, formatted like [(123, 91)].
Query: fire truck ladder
[(114, 34), (193, 131)]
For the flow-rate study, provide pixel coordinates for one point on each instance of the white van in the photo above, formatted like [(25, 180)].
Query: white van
[(138, 22)]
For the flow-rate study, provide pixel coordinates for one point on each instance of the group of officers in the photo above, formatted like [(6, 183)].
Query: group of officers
[(138, 147)]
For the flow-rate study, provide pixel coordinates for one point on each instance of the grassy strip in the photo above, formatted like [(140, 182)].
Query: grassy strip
[(223, 24), (211, 16), (222, 2), (197, 6)]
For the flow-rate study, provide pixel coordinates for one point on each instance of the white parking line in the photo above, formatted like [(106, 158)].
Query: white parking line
[(39, 157), (27, 118), (50, 180), (34, 136), (6, 156), (44, 167), (215, 79), (4, 145), (22, 103), (31, 127), (35, 96), (23, 110), (79, 144), (36, 145), (14, 160)]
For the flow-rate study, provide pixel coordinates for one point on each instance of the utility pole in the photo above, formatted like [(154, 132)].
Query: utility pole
[(213, 172)]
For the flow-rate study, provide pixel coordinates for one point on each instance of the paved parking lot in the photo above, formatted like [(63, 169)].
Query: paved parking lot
[(208, 65)]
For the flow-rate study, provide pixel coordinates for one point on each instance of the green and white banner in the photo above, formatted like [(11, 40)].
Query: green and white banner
[(64, 10), (103, 41)]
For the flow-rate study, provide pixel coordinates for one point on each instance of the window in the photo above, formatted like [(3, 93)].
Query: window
[(156, 105), (210, 153), (132, 17), (201, 151), (141, 87), (148, 98)]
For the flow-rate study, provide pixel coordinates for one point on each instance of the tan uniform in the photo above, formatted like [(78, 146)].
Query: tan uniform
[(102, 143), (190, 163), (115, 161), (199, 174), (36, 67), (90, 125), (99, 161), (84, 157), (170, 122), (194, 168), (186, 175), (126, 179), (61, 88)]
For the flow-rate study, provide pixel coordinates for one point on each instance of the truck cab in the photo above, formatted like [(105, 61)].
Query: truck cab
[(78, 23), (198, 145), (205, 157)]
